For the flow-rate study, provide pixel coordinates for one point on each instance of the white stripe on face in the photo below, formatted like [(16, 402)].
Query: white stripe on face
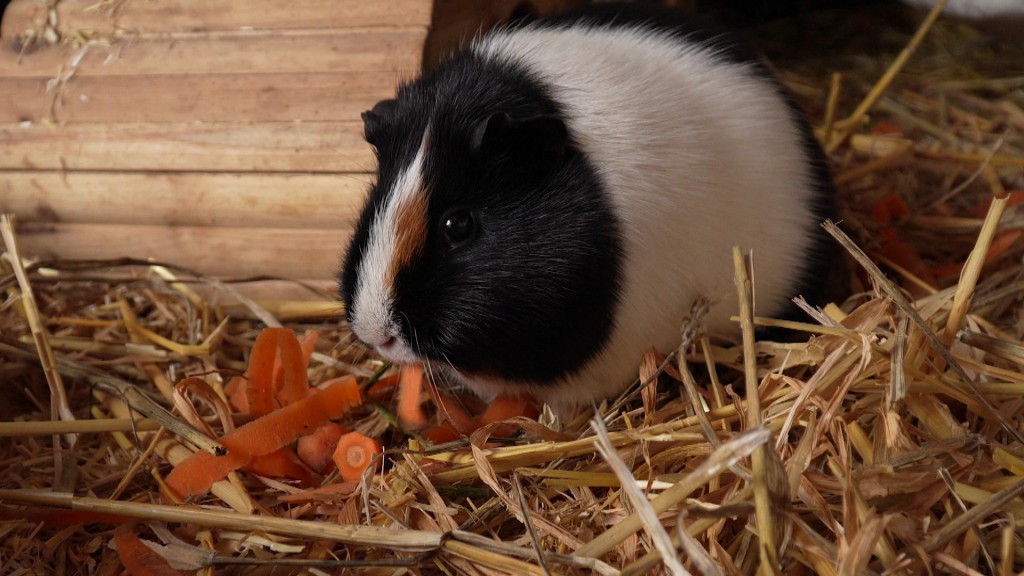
[(396, 235)]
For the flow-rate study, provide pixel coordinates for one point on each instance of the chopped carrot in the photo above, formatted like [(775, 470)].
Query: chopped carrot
[(506, 406), (452, 412), (308, 344), (410, 387), (137, 558), (889, 208), (1002, 242), (195, 474), (316, 450), (293, 383), (355, 453), (384, 386), (283, 463), (259, 377), (235, 390), (441, 433), (266, 434), (1015, 198)]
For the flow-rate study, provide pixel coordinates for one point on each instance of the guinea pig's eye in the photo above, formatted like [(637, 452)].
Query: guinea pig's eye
[(457, 225)]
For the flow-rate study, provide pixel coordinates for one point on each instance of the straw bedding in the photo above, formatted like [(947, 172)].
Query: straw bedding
[(887, 440)]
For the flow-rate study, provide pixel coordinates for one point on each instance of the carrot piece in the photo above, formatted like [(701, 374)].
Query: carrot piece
[(237, 394), (316, 450), (1015, 198), (260, 374), (383, 386), (195, 474), (453, 413), (506, 406), (410, 387), (137, 558), (282, 463), (441, 433), (308, 344), (355, 454), (294, 382), (1002, 242), (266, 434)]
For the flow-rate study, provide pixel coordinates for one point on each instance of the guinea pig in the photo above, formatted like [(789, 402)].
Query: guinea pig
[(551, 201)]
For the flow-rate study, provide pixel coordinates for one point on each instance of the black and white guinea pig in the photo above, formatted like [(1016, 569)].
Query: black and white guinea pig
[(551, 201)]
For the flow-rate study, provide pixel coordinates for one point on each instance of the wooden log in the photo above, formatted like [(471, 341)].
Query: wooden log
[(206, 147), (156, 16), (351, 50), (221, 252), (220, 200), (207, 97)]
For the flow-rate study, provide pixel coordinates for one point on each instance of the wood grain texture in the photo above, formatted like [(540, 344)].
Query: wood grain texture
[(222, 252), (217, 200), (351, 50), (188, 146), (206, 98), (165, 16)]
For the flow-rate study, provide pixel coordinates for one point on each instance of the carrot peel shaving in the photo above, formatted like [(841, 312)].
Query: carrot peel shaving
[(139, 559), (269, 433), (410, 387)]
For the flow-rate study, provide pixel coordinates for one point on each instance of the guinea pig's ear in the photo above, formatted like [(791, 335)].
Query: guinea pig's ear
[(543, 137), (375, 120)]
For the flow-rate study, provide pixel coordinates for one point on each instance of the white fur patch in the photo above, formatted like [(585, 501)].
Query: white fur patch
[(698, 155), (373, 318)]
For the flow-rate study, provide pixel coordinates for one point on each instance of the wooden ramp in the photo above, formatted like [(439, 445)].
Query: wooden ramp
[(219, 135)]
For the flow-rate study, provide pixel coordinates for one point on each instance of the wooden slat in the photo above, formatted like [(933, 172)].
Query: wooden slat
[(221, 146), (224, 252), (206, 98), (366, 49), (155, 16), (222, 200)]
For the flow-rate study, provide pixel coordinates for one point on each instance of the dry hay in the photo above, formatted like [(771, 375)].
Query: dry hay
[(888, 442)]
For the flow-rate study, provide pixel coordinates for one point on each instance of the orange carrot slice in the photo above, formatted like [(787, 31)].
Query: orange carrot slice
[(410, 387), (452, 412), (384, 386), (355, 453), (283, 463), (137, 558), (238, 397), (259, 388), (308, 343), (506, 406), (441, 434), (293, 382), (316, 450), (266, 434)]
